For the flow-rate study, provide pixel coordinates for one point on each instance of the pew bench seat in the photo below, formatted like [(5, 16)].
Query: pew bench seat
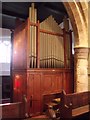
[(80, 110)]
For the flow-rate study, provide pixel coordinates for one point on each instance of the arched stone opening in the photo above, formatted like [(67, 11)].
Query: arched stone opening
[(78, 14)]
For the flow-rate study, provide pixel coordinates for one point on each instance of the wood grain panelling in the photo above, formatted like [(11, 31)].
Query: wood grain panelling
[(54, 83), (19, 49), (36, 106), (68, 82), (59, 80), (29, 85), (35, 84), (47, 84), (30, 92), (33, 93), (36, 93)]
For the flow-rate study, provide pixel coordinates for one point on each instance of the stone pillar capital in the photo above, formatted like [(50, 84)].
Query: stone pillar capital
[(81, 52)]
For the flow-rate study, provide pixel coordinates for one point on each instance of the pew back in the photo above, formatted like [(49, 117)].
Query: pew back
[(11, 110), (74, 104), (77, 99)]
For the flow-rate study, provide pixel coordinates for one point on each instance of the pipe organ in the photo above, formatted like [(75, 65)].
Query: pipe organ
[(51, 42), (51, 46), (41, 61)]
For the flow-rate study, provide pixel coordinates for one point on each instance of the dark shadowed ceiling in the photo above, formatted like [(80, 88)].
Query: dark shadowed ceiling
[(13, 10)]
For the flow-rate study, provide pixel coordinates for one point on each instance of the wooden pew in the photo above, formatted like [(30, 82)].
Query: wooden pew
[(48, 100), (73, 105), (51, 105), (11, 110)]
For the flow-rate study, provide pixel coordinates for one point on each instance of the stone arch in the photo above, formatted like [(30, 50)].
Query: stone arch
[(78, 14)]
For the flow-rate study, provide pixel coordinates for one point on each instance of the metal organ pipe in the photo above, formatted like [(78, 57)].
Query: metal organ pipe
[(33, 19), (51, 42)]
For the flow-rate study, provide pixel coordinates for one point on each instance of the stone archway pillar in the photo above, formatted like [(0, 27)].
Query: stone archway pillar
[(81, 69)]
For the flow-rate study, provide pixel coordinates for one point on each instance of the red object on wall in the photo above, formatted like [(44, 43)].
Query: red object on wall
[(17, 83)]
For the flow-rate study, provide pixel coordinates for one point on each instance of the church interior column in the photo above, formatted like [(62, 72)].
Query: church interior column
[(81, 69)]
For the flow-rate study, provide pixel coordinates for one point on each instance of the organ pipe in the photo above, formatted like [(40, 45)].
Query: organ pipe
[(51, 42)]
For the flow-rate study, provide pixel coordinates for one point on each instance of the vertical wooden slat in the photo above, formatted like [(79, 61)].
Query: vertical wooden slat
[(66, 27), (58, 52), (46, 46), (28, 45), (62, 52), (54, 47), (30, 32), (64, 38), (35, 35), (48, 50), (34, 47), (45, 41), (50, 42), (43, 47), (38, 45), (71, 59), (32, 35)]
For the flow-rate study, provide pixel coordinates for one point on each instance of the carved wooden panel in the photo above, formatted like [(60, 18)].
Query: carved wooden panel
[(47, 84), (58, 79), (37, 86)]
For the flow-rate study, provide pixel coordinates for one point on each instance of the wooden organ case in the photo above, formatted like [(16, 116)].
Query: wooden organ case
[(42, 60)]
